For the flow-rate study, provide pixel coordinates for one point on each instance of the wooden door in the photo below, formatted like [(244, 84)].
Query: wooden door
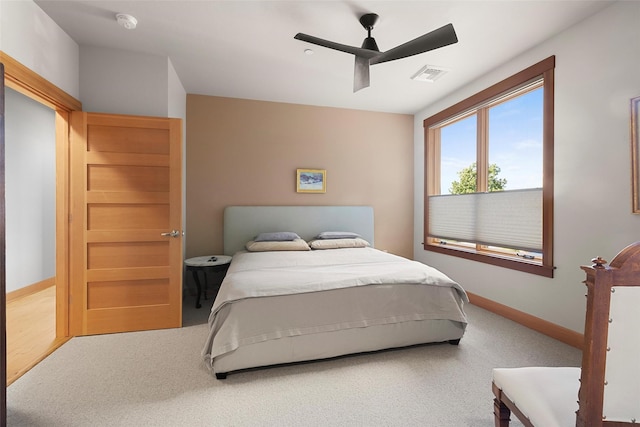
[(126, 216)]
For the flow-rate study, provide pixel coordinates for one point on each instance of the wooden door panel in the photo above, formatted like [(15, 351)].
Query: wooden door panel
[(110, 320), (107, 216), (127, 254), (126, 177), (126, 139), (118, 294)]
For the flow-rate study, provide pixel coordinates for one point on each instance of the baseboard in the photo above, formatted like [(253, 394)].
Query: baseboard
[(31, 289), (552, 330)]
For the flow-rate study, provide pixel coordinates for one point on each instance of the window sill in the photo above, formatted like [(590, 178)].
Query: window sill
[(510, 263)]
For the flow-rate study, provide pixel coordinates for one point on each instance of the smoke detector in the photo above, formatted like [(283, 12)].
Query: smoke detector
[(429, 73), (127, 21)]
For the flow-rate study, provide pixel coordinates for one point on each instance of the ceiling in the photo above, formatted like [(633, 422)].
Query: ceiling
[(245, 49)]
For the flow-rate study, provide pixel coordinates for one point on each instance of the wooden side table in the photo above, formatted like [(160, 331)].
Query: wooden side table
[(209, 263)]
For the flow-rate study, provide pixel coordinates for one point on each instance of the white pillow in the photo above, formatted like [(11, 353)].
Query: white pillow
[(356, 242), (287, 245)]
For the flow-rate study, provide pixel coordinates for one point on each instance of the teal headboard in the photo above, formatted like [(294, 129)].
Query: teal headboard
[(243, 223)]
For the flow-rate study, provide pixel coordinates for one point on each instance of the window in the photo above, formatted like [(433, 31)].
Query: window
[(489, 174)]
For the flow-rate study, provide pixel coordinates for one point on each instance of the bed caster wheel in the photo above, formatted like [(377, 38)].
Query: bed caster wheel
[(221, 375)]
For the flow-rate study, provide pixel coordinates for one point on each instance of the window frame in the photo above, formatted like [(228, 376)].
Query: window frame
[(545, 70)]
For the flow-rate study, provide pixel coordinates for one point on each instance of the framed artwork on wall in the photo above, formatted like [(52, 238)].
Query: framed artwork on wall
[(635, 153), (311, 180)]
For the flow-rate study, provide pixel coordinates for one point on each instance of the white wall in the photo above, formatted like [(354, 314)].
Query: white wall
[(30, 37), (121, 82), (178, 108), (176, 95), (30, 186), (596, 76)]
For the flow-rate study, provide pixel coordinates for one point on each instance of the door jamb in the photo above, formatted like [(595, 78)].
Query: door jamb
[(20, 78)]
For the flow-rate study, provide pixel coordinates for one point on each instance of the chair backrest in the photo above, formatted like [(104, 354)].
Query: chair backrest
[(610, 377)]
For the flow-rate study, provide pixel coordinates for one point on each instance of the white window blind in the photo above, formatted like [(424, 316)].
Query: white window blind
[(508, 219)]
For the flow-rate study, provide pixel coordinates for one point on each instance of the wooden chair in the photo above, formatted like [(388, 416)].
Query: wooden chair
[(605, 391)]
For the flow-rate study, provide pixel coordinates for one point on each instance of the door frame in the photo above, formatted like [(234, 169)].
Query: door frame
[(3, 296), (21, 79)]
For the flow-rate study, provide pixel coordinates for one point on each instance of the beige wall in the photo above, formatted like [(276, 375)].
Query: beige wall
[(243, 152)]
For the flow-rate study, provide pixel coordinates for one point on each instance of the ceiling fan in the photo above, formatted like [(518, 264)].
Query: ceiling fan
[(369, 54)]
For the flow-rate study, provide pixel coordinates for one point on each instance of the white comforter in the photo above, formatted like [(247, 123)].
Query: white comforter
[(259, 274), (256, 276)]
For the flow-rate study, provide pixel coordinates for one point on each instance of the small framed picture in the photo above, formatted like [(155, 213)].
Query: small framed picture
[(311, 181)]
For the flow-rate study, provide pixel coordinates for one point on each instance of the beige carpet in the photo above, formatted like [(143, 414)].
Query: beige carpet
[(156, 378)]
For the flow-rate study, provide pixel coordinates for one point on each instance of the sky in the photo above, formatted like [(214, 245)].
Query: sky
[(515, 143)]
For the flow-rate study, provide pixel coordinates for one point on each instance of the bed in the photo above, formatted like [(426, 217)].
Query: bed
[(283, 306)]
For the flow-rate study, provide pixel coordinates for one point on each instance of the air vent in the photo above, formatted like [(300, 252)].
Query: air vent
[(429, 73)]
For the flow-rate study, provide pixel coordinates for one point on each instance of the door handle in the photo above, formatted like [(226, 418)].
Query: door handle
[(172, 233)]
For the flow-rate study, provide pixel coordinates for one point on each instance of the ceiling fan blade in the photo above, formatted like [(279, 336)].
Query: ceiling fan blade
[(358, 51), (360, 74), (441, 37)]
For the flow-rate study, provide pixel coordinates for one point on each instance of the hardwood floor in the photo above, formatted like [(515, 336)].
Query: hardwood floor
[(31, 331)]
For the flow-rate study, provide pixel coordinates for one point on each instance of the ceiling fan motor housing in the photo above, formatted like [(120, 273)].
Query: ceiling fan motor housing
[(370, 43)]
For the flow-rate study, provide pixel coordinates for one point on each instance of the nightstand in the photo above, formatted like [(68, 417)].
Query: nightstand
[(209, 263)]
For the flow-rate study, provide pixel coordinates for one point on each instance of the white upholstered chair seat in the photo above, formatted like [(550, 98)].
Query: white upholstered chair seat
[(546, 395)]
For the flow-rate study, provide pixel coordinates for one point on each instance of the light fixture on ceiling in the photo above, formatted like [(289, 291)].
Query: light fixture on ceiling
[(308, 52), (127, 21), (429, 73)]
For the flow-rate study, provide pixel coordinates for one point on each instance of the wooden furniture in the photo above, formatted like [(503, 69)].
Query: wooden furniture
[(211, 263), (607, 386)]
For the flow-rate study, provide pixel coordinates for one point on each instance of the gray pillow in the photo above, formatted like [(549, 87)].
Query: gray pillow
[(279, 236), (337, 235)]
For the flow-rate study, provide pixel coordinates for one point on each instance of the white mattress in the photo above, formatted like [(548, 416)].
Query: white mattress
[(273, 299)]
